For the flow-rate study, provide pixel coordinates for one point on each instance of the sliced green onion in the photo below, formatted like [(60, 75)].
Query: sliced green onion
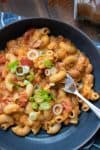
[(44, 106), (32, 54), (31, 76), (13, 65), (43, 95), (26, 69), (34, 105), (48, 64), (49, 53), (38, 98), (19, 71), (47, 72), (26, 82), (20, 78), (57, 109), (53, 70), (50, 71)]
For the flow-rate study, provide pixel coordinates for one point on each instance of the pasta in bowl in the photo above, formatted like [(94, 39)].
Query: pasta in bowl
[(33, 68)]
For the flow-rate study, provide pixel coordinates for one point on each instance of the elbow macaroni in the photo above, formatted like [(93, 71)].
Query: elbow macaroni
[(29, 90), (21, 131), (58, 76), (8, 82), (28, 98), (11, 108)]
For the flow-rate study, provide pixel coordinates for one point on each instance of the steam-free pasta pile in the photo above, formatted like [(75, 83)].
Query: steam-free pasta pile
[(33, 69)]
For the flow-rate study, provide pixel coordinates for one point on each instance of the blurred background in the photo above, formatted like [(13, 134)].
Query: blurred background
[(64, 10)]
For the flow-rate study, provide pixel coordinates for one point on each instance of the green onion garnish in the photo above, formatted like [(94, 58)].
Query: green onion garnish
[(13, 65), (41, 99), (42, 95), (31, 76), (34, 105), (44, 106), (26, 82), (38, 98), (48, 64)]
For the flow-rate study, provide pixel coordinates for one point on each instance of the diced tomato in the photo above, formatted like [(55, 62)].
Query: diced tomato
[(2, 59), (67, 107), (26, 61), (23, 100)]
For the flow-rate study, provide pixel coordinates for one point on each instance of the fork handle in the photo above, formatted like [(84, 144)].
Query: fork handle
[(95, 109)]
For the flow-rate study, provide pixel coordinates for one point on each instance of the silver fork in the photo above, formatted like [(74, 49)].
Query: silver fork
[(70, 87)]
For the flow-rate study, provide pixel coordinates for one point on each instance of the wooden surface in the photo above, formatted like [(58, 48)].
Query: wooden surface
[(58, 9)]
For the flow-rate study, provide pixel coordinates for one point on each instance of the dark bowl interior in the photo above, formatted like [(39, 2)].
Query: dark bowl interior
[(70, 137)]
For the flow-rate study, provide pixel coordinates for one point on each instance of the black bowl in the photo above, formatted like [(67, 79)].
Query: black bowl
[(70, 137)]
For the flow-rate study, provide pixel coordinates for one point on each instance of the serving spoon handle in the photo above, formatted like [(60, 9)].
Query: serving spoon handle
[(95, 109)]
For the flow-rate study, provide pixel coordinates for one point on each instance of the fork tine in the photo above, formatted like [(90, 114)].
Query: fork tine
[(68, 84), (68, 76), (69, 80)]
